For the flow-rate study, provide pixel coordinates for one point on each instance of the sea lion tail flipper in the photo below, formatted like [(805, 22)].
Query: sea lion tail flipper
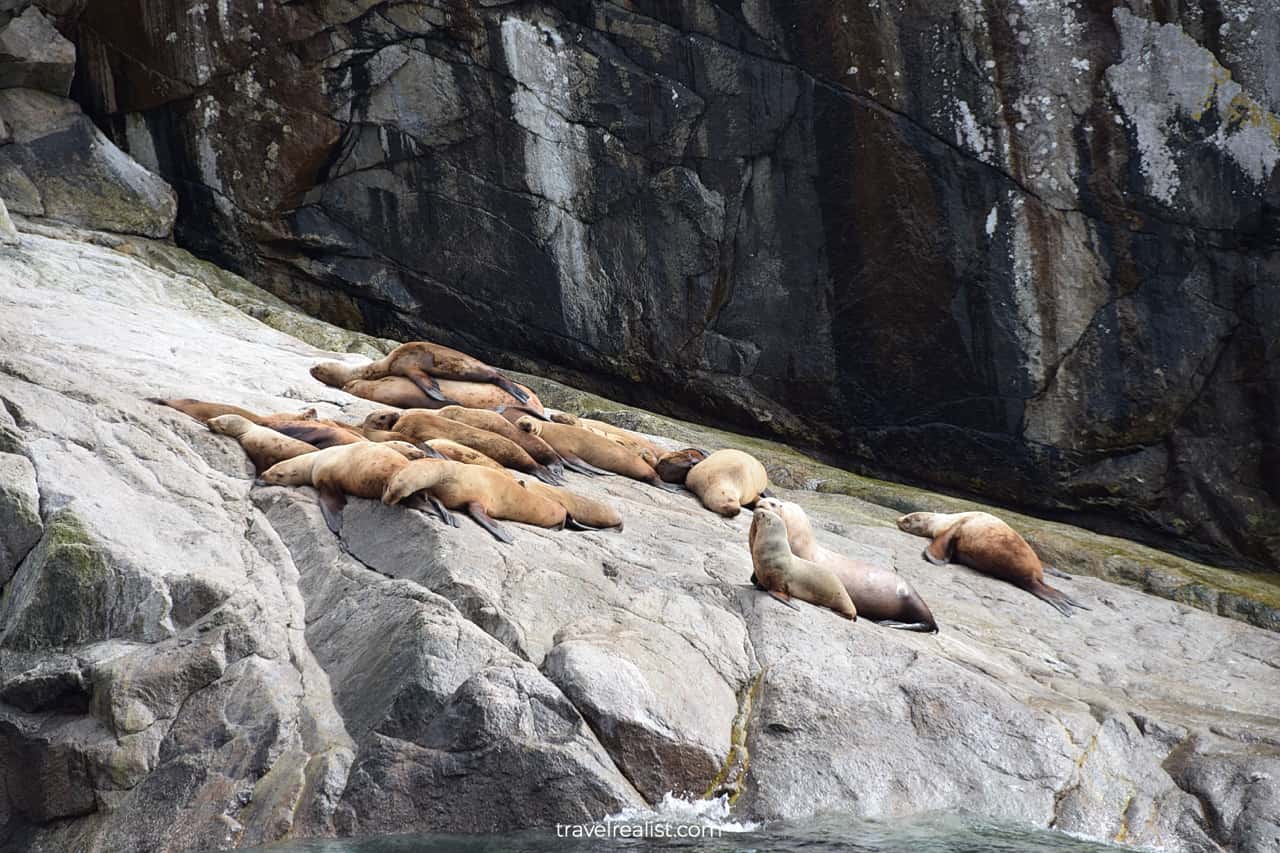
[(331, 503), (785, 599), (443, 511), (547, 476), (1055, 597), (513, 389), (664, 485), (1050, 570), (428, 385), (431, 452), (573, 463), (482, 518), (939, 550)]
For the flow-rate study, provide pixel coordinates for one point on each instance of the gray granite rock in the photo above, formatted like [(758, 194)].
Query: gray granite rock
[(188, 660), (34, 55)]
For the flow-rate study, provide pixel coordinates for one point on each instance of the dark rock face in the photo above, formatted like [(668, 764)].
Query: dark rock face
[(1025, 250)]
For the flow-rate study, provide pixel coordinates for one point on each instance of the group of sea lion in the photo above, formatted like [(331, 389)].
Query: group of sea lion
[(462, 436)]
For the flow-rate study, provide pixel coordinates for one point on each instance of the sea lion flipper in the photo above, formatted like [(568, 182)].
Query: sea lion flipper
[(428, 385), (512, 388), (784, 598), (443, 511), (938, 551), (431, 452), (664, 485), (546, 475), (573, 463), (476, 510), (922, 627), (331, 503), (1050, 570), (1058, 599)]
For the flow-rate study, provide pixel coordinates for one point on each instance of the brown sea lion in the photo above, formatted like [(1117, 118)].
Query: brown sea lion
[(203, 410), (879, 594), (674, 465), (422, 425), (264, 445), (541, 452), (986, 544), (424, 363), (448, 449), (649, 451), (582, 446), (403, 393), (786, 576), (727, 480), (485, 494), (322, 434), (584, 512), (362, 469)]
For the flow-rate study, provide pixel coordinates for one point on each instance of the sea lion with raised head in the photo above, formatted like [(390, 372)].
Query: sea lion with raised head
[(422, 425), (423, 363), (988, 545), (485, 419), (403, 393), (485, 495), (674, 465), (879, 594), (785, 576), (264, 446), (727, 480), (361, 469), (582, 446), (583, 512)]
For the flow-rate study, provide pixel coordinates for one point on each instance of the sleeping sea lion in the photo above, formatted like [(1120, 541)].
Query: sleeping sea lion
[(584, 512), (727, 480), (650, 451), (424, 363), (674, 465), (402, 393), (485, 494), (582, 446), (541, 452), (264, 446), (784, 575), (447, 449), (879, 594), (986, 544), (361, 469), (422, 425)]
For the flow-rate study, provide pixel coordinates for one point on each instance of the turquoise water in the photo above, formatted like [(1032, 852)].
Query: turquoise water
[(929, 834)]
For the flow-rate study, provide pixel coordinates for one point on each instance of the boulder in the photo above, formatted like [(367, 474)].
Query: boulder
[(34, 55)]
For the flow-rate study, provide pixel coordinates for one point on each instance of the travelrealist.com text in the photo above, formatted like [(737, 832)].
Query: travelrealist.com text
[(636, 830)]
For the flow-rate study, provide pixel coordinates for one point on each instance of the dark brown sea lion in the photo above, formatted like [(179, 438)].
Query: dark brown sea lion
[(674, 465)]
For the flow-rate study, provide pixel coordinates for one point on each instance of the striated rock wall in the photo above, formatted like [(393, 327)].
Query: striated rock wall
[(1025, 249), (188, 660)]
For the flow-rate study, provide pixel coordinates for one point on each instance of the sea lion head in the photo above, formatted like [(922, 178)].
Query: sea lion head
[(918, 523), (673, 466), (332, 373), (564, 418), (382, 419), (720, 499), (232, 425)]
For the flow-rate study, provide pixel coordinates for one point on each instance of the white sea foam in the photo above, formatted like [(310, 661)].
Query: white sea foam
[(678, 810)]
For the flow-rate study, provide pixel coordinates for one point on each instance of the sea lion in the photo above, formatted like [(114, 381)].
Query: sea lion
[(322, 434), (541, 452), (649, 451), (423, 363), (879, 594), (402, 393), (986, 544), (485, 494), (447, 449), (362, 469), (583, 511), (674, 465), (264, 445), (203, 410), (727, 480), (784, 575), (422, 425), (582, 446)]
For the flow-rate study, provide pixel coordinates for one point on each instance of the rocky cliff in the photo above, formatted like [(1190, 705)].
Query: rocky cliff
[(1024, 249), (189, 660)]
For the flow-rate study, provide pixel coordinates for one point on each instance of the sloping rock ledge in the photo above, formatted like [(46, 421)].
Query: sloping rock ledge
[(188, 659)]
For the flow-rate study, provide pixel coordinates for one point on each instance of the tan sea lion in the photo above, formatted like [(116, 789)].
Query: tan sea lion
[(879, 594), (203, 410), (264, 445), (626, 436), (424, 363), (448, 449), (786, 576), (986, 544), (362, 469), (422, 425), (403, 393), (584, 512), (727, 480), (485, 494), (582, 446), (541, 452), (674, 465)]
